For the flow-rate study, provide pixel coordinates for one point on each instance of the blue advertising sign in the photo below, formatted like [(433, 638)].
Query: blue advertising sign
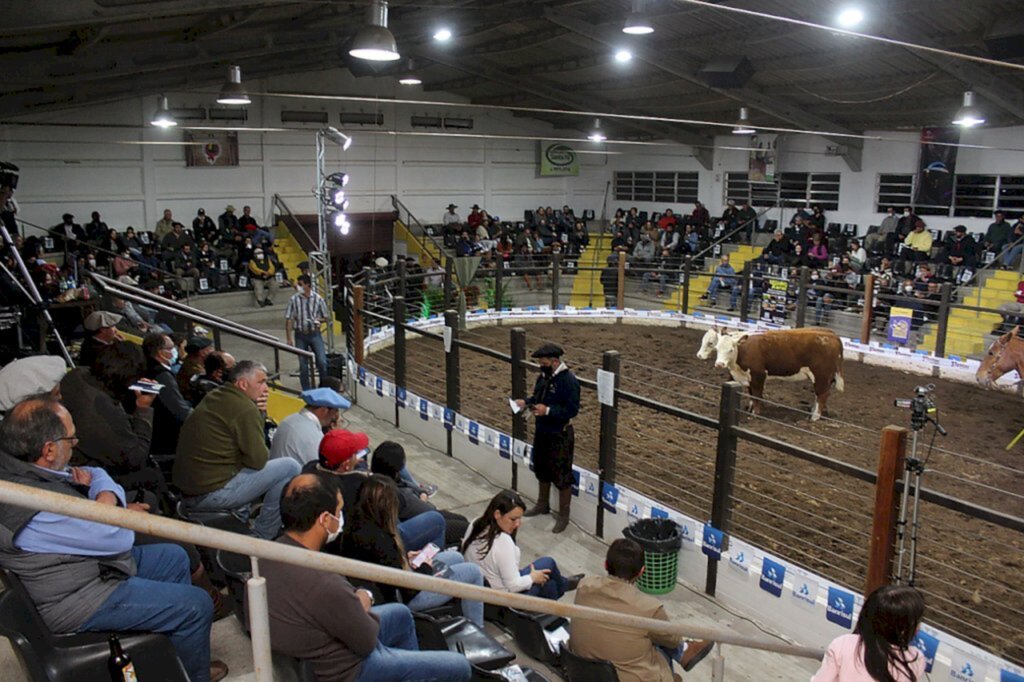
[(712, 544), (609, 497), (839, 609), (474, 433), (928, 645), (773, 576), (505, 445), (449, 418), (424, 409)]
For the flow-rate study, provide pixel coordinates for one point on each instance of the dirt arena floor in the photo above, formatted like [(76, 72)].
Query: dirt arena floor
[(969, 570)]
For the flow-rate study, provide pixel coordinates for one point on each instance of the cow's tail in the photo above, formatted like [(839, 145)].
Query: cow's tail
[(838, 379)]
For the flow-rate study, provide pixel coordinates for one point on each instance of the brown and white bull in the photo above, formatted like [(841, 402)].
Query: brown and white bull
[(812, 353)]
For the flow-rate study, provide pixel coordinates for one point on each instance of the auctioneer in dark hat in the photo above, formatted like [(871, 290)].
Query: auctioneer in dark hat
[(548, 350)]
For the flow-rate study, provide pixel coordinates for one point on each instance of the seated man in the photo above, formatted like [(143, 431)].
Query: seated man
[(299, 434), (918, 244), (216, 366), (777, 250), (196, 350), (724, 277), (85, 576), (328, 622), (638, 656), (222, 460)]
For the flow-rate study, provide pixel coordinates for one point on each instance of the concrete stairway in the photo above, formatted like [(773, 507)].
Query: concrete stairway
[(967, 331), (739, 254), (586, 286)]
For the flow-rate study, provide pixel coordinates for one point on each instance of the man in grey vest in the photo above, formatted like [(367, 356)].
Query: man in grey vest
[(85, 576)]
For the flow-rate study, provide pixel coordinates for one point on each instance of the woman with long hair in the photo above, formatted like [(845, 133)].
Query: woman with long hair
[(879, 649), (491, 544), (371, 535)]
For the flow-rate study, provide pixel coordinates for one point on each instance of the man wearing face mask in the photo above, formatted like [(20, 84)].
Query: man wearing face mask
[(305, 313), (170, 409), (555, 401)]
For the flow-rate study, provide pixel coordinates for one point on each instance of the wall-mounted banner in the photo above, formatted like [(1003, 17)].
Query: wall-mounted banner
[(205, 149), (658, 513), (400, 396), (556, 159), (712, 543), (424, 409), (449, 418), (773, 576), (900, 320), (688, 529), (936, 167), (505, 445), (741, 556), (763, 154), (379, 385), (840, 607), (362, 376), (474, 433), (928, 645), (805, 590), (963, 668)]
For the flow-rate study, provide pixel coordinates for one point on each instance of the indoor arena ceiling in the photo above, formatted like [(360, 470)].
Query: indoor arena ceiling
[(541, 53)]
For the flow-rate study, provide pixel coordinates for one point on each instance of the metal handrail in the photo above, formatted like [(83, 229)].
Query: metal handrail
[(296, 229), (43, 500), (990, 267), (411, 219), (730, 233)]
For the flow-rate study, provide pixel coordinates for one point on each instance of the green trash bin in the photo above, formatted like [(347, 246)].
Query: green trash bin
[(661, 540)]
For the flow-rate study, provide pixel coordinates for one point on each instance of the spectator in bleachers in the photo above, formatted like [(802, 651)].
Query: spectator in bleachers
[(186, 267), (123, 263), (243, 254), (389, 460), (203, 225), (30, 377), (149, 264), (748, 216), (730, 216), (670, 239), (172, 242), (101, 331), (85, 576), (579, 238), (917, 246), (690, 240), (888, 227), (998, 233), (700, 216), (328, 622), (776, 251), (246, 221), (522, 263), (817, 254), (196, 350), (724, 277), (227, 222), (638, 656), (905, 224), (299, 434), (474, 219), (960, 249), (222, 461), (95, 228), (131, 241), (490, 543), (66, 231), (620, 240), (817, 218), (668, 218), (858, 256), (164, 226), (372, 536), (1014, 252), (1013, 311), (261, 272), (130, 315), (880, 646), (665, 262), (170, 409), (644, 252), (216, 367)]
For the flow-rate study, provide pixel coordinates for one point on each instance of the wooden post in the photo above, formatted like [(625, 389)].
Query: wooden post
[(607, 437), (943, 315), (725, 471), (745, 292), (357, 323), (556, 278), (869, 309), (687, 266), (883, 527), (801, 296)]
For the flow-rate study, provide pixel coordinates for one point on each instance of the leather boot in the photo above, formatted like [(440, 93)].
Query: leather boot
[(543, 506), (564, 501), (221, 607)]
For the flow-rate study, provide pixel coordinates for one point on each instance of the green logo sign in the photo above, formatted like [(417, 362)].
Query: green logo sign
[(558, 159)]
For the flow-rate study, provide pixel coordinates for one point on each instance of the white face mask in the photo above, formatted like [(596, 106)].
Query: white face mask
[(906, 213), (331, 537)]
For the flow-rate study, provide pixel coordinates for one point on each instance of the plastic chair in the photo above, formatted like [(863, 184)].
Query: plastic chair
[(528, 631), (580, 669), (463, 636), (80, 657)]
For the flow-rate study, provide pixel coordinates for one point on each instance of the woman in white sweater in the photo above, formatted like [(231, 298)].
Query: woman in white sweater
[(490, 543)]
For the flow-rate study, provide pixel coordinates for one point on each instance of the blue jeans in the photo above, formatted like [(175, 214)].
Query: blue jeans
[(733, 287), (315, 343), (673, 655), (462, 572), (1012, 255), (421, 529), (554, 588), (397, 655), (248, 485), (160, 598)]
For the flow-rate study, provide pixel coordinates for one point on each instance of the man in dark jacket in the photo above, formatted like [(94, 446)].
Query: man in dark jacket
[(85, 576), (555, 401), (170, 409)]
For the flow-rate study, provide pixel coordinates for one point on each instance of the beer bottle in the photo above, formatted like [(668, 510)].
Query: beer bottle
[(120, 664)]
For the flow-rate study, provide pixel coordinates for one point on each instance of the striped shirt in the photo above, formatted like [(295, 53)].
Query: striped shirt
[(306, 312)]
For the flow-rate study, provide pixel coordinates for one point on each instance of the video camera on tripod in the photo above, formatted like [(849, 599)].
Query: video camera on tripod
[(922, 408)]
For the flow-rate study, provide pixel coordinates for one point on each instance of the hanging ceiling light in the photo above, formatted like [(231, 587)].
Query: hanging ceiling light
[(743, 124), (162, 117), (623, 55), (597, 135), (410, 79), (233, 92), (375, 42), (638, 23), (969, 115)]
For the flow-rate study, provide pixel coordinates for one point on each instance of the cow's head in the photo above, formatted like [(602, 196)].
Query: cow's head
[(727, 350), (708, 344)]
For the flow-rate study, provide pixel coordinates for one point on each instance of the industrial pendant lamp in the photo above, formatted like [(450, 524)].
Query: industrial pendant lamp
[(743, 124), (233, 92), (638, 23), (162, 117), (969, 115), (374, 42), (597, 135)]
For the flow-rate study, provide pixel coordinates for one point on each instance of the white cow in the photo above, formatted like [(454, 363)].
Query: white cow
[(709, 344)]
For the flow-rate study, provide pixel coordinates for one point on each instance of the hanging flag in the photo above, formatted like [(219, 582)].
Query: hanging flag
[(936, 167)]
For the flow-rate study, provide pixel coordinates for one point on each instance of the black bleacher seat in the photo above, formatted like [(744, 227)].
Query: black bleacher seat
[(642, 215), (528, 631), (76, 658), (873, 229), (833, 229), (850, 230), (580, 669), (771, 225), (461, 635)]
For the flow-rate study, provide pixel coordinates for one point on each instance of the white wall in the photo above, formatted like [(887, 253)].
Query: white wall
[(88, 167)]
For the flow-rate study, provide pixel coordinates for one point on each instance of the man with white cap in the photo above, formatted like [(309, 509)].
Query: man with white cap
[(299, 434), (101, 331), (27, 377)]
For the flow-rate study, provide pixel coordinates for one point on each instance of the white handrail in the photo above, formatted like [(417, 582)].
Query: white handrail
[(33, 498)]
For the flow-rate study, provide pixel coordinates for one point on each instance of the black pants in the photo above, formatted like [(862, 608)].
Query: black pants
[(552, 457)]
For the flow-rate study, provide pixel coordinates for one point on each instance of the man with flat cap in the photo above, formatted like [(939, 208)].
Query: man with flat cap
[(299, 434), (101, 331), (555, 401)]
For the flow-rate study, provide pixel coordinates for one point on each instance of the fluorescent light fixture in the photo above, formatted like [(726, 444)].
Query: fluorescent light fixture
[(162, 117), (375, 42), (443, 34), (850, 17), (409, 80), (743, 124), (638, 23), (969, 115), (233, 92), (597, 135), (623, 55)]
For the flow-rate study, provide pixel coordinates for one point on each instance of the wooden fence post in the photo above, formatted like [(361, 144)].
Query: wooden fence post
[(518, 353), (883, 527), (725, 472), (357, 323), (607, 438)]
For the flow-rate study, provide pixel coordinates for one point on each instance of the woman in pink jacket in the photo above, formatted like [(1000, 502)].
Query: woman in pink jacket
[(879, 649)]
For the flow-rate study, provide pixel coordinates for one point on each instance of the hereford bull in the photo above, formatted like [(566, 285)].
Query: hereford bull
[(812, 353)]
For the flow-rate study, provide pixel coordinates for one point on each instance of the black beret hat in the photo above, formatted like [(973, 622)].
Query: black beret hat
[(548, 350)]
